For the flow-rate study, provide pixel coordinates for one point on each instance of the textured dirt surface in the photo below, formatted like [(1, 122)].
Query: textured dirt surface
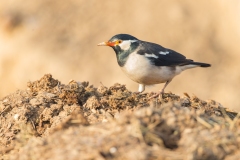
[(60, 37), (51, 120)]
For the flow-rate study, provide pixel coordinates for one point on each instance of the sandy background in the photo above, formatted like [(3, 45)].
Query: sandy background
[(60, 37)]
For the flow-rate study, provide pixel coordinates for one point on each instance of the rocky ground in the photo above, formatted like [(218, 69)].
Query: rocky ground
[(51, 120)]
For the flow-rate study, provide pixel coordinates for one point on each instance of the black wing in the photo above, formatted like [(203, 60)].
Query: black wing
[(161, 56)]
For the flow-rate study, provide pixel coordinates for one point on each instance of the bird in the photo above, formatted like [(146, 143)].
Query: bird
[(148, 63)]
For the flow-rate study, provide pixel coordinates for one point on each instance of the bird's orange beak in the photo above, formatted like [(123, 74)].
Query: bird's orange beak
[(111, 44)]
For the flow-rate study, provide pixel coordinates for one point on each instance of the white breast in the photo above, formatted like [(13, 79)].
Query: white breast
[(140, 70)]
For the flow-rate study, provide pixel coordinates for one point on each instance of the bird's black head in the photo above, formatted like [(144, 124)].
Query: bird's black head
[(122, 37), (120, 42), (123, 45)]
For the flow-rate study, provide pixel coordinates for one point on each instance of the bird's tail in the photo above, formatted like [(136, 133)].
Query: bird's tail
[(192, 64), (201, 64)]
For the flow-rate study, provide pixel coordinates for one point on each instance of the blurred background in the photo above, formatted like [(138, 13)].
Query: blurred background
[(60, 37)]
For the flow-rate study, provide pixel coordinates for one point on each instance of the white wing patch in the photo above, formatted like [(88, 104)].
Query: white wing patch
[(164, 53), (151, 55)]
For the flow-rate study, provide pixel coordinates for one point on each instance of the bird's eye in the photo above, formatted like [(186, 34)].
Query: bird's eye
[(119, 41)]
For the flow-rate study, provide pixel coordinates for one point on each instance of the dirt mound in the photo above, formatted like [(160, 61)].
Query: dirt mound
[(50, 120), (61, 37)]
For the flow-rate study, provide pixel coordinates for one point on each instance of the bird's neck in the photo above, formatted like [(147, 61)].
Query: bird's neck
[(122, 55)]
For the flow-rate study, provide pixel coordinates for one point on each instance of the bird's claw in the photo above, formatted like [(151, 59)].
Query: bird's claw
[(159, 95), (136, 92)]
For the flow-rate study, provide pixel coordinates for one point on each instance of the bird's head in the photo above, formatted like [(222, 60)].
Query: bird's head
[(121, 43)]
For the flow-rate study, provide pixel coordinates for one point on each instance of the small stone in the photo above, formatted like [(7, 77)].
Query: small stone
[(35, 102), (16, 117), (113, 150), (5, 100)]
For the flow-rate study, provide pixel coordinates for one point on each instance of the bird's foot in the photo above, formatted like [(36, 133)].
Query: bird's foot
[(159, 95), (139, 93), (136, 92)]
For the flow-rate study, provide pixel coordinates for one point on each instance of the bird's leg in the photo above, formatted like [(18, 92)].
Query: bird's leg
[(141, 88), (162, 91), (165, 85)]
